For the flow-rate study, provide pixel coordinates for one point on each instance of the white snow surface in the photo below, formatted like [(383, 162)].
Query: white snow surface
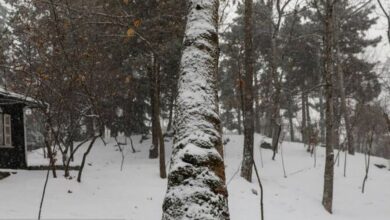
[(137, 192)]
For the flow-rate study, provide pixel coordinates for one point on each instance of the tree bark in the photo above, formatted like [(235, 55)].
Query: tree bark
[(344, 108), (247, 162), (241, 108), (290, 118), (163, 173), (196, 182), (327, 199), (303, 126), (275, 120), (257, 105), (153, 152), (308, 118), (322, 114)]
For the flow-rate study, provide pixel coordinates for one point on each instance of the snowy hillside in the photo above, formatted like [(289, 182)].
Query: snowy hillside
[(137, 192)]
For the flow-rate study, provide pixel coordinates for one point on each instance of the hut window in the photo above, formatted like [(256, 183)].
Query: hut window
[(7, 130)]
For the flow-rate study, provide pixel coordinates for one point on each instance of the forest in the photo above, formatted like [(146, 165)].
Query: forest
[(195, 109)]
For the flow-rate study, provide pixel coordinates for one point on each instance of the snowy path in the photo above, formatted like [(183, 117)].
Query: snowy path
[(136, 193)]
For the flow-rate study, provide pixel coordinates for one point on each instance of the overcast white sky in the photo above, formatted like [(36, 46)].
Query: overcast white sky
[(381, 52)]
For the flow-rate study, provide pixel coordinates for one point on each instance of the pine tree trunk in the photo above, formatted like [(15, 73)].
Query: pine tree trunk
[(322, 115), (327, 199), (171, 107), (303, 126), (308, 124), (247, 162), (241, 110), (153, 152), (257, 105), (276, 120), (196, 182), (344, 107), (290, 118), (239, 116), (163, 173)]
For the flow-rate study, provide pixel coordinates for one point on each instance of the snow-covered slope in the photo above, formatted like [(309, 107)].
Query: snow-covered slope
[(137, 192)]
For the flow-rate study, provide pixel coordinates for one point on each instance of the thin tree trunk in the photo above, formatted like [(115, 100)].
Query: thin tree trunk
[(153, 152), (241, 99), (163, 172), (344, 107), (172, 105), (290, 118), (327, 199), (322, 115), (196, 181), (303, 125), (170, 117), (257, 105), (276, 120), (239, 122), (247, 162), (367, 158), (309, 127)]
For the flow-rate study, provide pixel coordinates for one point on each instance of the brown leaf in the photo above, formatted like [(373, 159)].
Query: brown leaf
[(130, 32)]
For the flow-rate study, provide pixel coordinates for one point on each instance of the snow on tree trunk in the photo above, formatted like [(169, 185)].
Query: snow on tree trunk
[(196, 182)]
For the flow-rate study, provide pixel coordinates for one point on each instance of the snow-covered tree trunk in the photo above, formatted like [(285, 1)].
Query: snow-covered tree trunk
[(196, 182)]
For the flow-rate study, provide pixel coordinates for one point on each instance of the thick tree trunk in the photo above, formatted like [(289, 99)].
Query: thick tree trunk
[(327, 199), (247, 162), (196, 182)]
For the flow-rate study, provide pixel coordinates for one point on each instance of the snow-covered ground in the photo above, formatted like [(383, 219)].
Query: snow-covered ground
[(137, 192)]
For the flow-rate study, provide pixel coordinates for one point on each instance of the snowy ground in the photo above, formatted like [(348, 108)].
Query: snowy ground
[(137, 192)]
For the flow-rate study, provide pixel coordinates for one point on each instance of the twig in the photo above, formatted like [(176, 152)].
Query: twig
[(281, 154), (121, 151), (261, 190), (43, 194), (367, 157)]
